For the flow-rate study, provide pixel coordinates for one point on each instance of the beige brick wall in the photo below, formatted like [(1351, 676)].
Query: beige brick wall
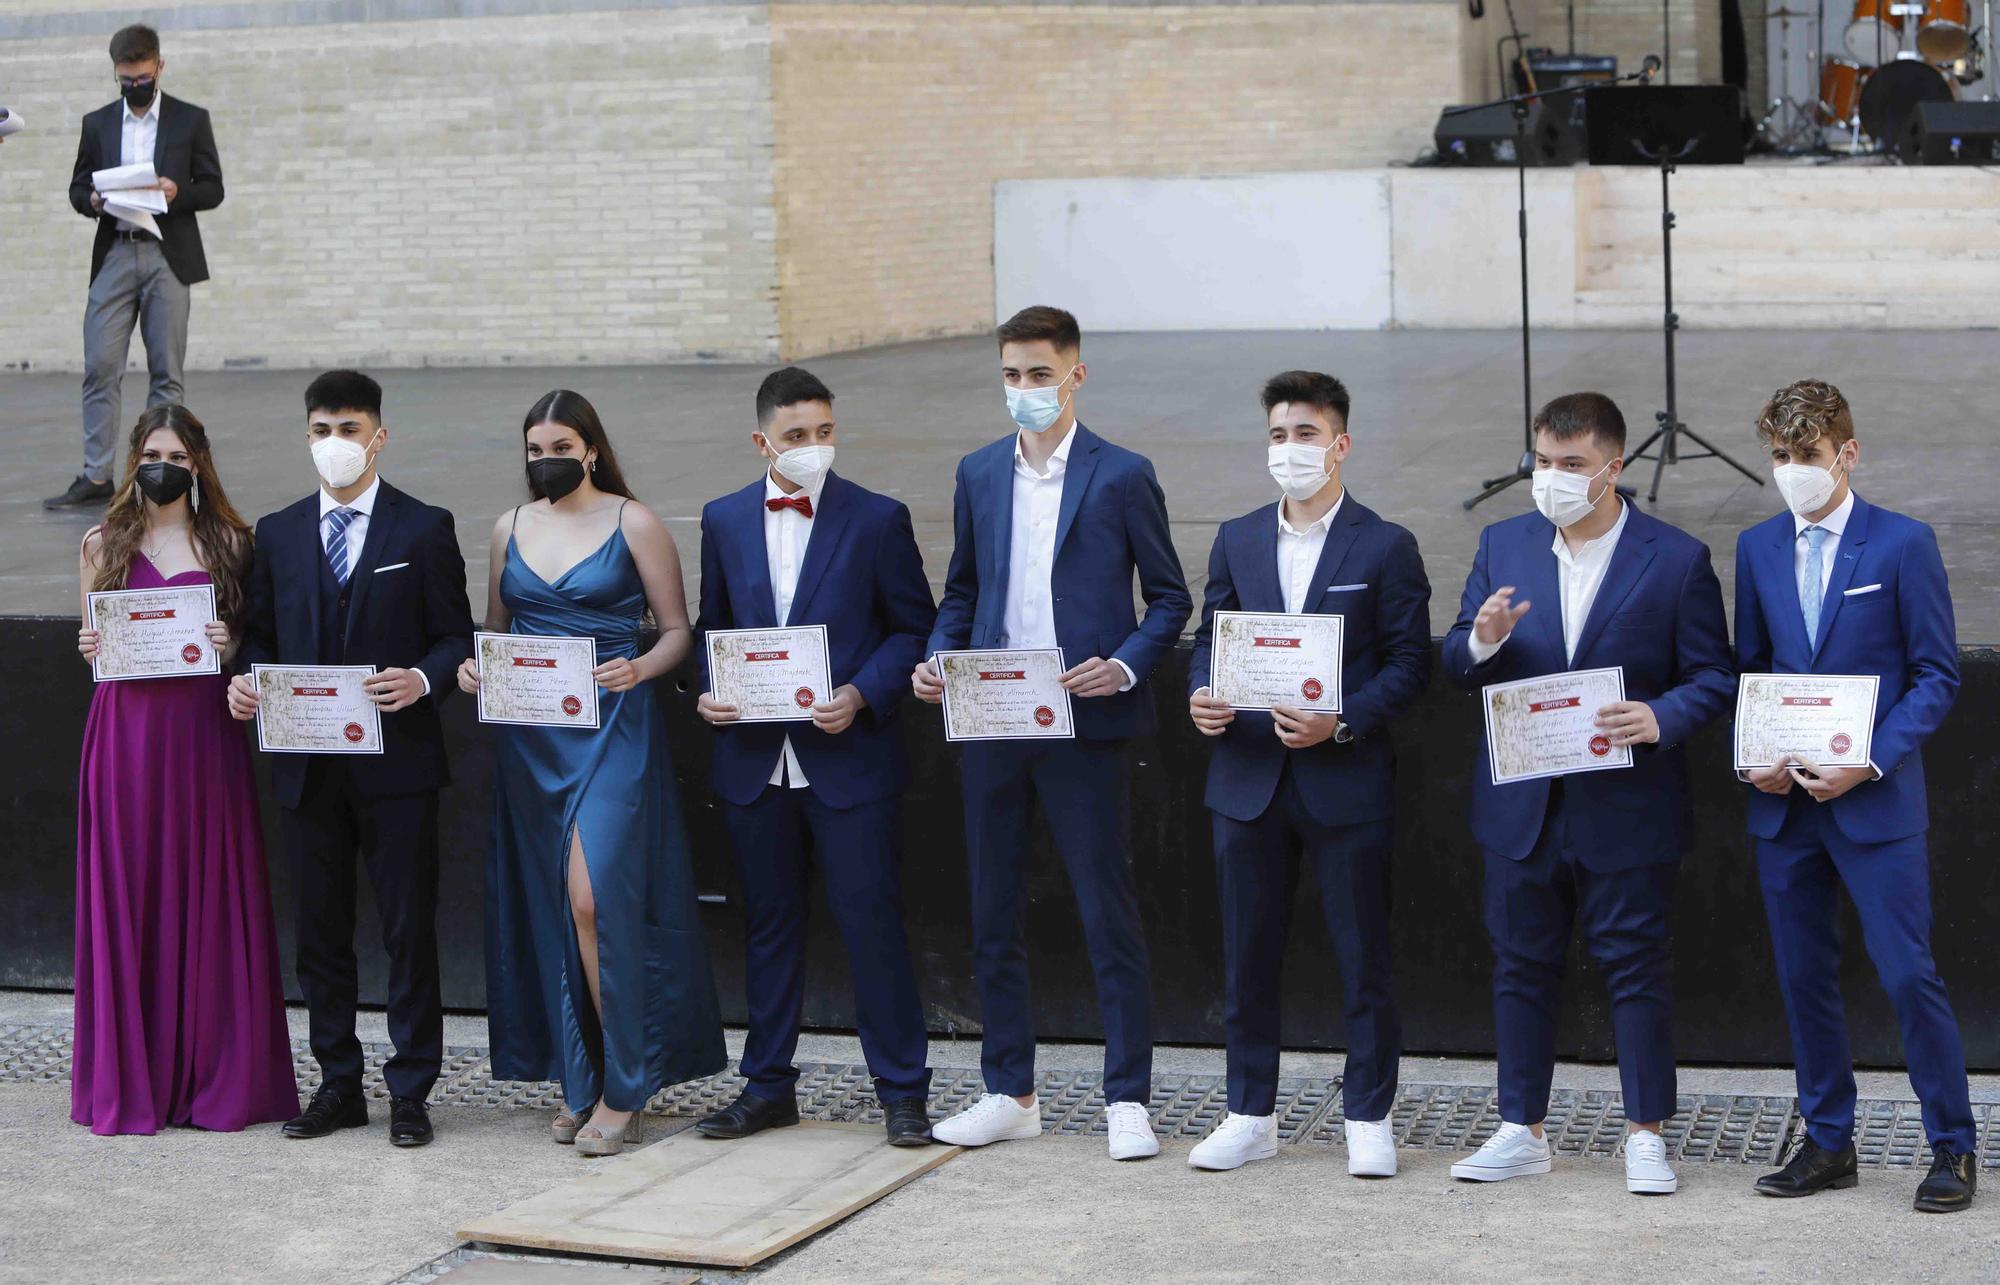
[(894, 122), (584, 188), (1629, 29)]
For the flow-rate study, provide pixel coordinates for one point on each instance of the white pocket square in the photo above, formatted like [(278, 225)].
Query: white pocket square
[(1346, 588), (1855, 593), (398, 566)]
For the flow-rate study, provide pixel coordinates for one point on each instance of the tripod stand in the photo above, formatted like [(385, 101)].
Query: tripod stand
[(1524, 467), (1670, 429)]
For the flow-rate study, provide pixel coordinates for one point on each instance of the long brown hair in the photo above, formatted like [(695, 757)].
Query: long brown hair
[(221, 537), (574, 412)]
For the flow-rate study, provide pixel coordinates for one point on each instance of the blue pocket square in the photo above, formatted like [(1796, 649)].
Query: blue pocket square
[(1346, 588)]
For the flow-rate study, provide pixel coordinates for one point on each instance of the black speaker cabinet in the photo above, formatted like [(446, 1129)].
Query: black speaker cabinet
[(1485, 136), (1952, 134)]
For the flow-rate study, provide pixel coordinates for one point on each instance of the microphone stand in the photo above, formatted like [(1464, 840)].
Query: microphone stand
[(1524, 468)]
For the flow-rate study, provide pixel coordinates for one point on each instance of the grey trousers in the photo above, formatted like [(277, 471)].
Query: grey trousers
[(135, 285)]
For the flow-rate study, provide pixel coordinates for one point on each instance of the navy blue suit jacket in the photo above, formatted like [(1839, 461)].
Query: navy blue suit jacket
[(1658, 614), (864, 580), (408, 616), (1887, 612), (1113, 520), (1371, 575)]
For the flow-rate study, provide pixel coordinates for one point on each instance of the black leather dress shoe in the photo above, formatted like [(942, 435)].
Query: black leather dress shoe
[(330, 1109), (1813, 1169), (1948, 1187), (81, 492), (409, 1122), (750, 1114), (908, 1122)]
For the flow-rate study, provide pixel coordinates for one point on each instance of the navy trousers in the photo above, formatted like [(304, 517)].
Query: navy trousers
[(1802, 872), (860, 855), (1083, 787), (1532, 906), (1257, 873)]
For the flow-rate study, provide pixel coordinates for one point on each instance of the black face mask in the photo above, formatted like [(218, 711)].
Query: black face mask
[(163, 483), (555, 476), (139, 94)]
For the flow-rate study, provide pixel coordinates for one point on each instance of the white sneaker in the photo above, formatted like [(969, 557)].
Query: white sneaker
[(1646, 1169), (994, 1118), (1513, 1152), (1237, 1141), (1131, 1131), (1371, 1149)]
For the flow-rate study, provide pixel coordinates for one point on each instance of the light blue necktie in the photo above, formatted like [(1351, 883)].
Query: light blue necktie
[(336, 544), (1814, 588)]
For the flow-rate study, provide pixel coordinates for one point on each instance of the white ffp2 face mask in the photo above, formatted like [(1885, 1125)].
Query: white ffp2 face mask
[(805, 465), (1806, 487), (1299, 469), (1564, 498), (340, 461)]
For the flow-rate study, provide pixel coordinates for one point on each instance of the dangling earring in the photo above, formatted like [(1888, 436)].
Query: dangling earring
[(194, 495)]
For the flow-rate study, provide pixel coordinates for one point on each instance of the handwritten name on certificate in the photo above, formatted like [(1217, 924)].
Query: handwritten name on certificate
[(316, 709), (153, 633), (539, 679), (1005, 695), (1259, 661), (769, 675), (1826, 718), (1545, 726)]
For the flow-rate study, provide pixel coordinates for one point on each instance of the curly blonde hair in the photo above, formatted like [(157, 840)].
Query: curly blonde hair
[(1802, 413)]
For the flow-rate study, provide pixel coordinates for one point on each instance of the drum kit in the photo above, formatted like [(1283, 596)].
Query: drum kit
[(1894, 55)]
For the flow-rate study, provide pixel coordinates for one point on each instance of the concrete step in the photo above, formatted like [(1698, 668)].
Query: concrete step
[(1628, 309)]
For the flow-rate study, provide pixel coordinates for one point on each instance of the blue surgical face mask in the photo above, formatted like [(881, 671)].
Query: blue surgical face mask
[(1037, 409)]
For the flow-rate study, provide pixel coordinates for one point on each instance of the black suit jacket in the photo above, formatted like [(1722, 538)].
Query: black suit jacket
[(183, 151), (406, 609)]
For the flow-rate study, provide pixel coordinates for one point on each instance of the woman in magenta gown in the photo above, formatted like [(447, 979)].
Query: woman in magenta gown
[(180, 1015)]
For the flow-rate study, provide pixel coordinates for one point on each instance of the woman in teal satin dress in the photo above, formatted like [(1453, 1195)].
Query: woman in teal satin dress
[(596, 972)]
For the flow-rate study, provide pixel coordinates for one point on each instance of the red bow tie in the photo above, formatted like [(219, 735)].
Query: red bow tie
[(802, 503)]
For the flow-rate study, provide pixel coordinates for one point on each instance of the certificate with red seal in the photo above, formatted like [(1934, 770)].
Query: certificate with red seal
[(1005, 695), (1547, 726), (316, 709), (538, 679), (153, 633), (1260, 660), (1826, 719), (769, 675)]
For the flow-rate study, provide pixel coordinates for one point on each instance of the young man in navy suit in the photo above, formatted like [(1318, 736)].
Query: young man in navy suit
[(1288, 784), (360, 574), (1051, 524), (1839, 586), (1600, 584), (803, 546)]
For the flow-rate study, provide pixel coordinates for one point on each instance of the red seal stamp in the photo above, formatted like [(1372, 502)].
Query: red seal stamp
[(1044, 716), (1600, 745), (191, 654), (572, 706), (1311, 689), (353, 733), (1841, 743), (803, 698)]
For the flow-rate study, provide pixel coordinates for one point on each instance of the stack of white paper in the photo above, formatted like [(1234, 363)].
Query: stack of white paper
[(11, 122), (132, 193)]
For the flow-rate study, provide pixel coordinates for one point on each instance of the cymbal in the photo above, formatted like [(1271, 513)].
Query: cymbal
[(1789, 13)]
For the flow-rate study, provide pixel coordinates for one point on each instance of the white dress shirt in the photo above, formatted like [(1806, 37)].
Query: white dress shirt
[(357, 530), (786, 534), (1834, 524), (136, 142), (1298, 555), (1580, 573), (1030, 617)]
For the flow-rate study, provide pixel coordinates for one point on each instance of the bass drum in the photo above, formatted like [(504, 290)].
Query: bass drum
[(1840, 82), (1874, 35), (1945, 31), (1892, 93)]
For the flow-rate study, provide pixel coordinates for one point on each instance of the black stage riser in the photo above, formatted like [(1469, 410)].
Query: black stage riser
[(1726, 1000)]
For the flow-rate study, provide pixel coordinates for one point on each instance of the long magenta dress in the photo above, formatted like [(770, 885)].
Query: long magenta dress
[(180, 1007)]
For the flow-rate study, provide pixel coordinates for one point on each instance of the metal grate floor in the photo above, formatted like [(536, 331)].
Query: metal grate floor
[(1718, 1128)]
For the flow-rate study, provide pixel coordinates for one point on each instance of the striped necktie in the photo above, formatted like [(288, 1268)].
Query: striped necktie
[(337, 523), (1813, 590)]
